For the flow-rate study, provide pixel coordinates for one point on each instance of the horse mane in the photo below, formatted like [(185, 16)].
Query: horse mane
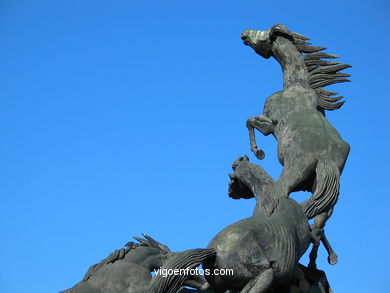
[(172, 283), (321, 72), (121, 253)]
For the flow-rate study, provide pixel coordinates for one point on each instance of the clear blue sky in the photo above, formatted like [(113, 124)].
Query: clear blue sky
[(123, 117)]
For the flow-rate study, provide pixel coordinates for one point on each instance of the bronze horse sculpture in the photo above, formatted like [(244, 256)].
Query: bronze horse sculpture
[(263, 250), (129, 270), (310, 149)]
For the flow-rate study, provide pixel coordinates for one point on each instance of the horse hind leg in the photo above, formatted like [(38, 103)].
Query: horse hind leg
[(313, 255), (316, 235), (261, 283), (296, 177)]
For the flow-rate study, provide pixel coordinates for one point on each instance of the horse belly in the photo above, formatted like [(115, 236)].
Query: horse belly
[(281, 249), (251, 248)]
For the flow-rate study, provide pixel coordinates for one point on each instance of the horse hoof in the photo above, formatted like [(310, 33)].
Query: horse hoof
[(259, 154), (333, 259)]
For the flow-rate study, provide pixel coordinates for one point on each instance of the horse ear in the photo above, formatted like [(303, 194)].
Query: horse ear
[(156, 244), (279, 29), (141, 241)]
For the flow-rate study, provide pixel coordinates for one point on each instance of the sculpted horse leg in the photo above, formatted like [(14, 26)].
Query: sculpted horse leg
[(291, 178), (261, 283), (313, 254), (332, 256), (319, 224), (262, 124), (197, 282), (295, 175)]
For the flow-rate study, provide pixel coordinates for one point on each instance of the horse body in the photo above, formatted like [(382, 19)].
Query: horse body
[(270, 243), (128, 270), (258, 243), (304, 137), (295, 116), (310, 149)]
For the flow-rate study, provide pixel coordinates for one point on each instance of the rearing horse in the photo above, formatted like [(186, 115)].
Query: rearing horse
[(309, 147)]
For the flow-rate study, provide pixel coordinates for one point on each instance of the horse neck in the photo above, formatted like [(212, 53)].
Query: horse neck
[(267, 194), (292, 63)]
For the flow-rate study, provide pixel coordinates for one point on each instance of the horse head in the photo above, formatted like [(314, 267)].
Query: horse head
[(249, 180), (261, 41), (301, 62)]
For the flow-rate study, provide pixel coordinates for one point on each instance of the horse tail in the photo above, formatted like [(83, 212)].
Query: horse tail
[(185, 260), (327, 190)]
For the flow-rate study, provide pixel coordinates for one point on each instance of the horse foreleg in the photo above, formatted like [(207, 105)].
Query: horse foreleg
[(313, 256), (332, 256), (262, 124), (197, 282), (261, 283), (319, 224), (320, 221), (259, 153)]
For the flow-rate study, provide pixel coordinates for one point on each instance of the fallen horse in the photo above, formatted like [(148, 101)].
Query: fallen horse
[(129, 270)]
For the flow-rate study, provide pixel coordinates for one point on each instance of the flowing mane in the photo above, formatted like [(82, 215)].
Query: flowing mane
[(121, 253), (321, 72)]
